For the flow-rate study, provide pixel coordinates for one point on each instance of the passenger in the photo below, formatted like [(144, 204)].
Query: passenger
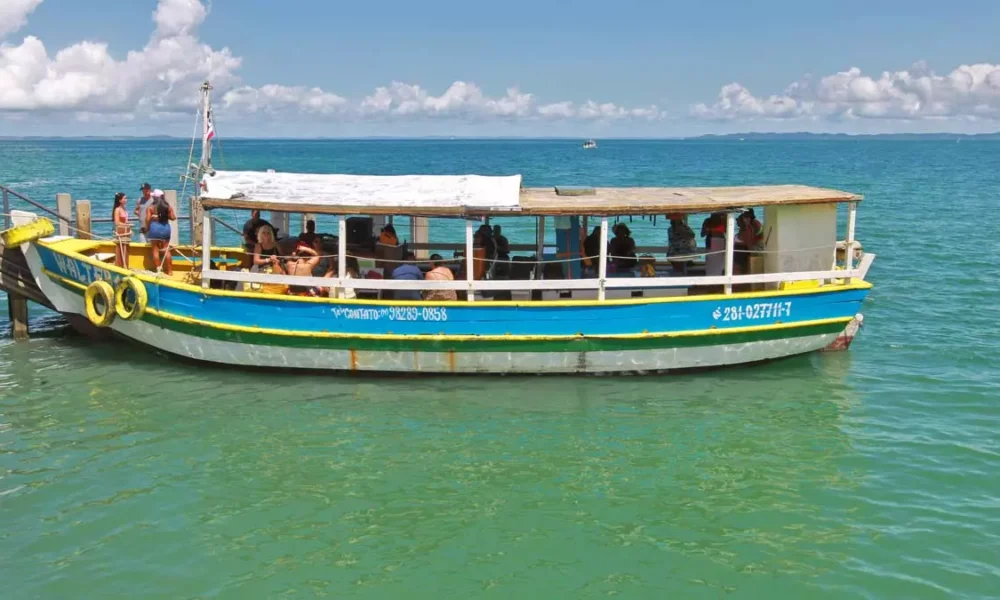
[(592, 248), (309, 235), (302, 264), (714, 232), (501, 243), (622, 248), (439, 272), (749, 238), (265, 253), (142, 210), (353, 272), (751, 232), (714, 225), (123, 231), (250, 229), (680, 242), (326, 267), (484, 239), (407, 271), (158, 234), (388, 236), (155, 208)]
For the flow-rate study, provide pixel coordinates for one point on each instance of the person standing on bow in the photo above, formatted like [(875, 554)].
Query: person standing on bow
[(142, 210), (123, 231), (158, 233)]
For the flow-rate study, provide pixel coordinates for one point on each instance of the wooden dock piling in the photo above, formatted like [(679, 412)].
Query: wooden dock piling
[(17, 309), (64, 206), (83, 219)]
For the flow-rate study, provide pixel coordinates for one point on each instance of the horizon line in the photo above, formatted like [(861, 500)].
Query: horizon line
[(753, 134)]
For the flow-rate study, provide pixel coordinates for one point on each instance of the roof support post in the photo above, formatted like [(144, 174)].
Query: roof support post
[(852, 215), (602, 260), (206, 247), (730, 242), (341, 250), (469, 257), (539, 246)]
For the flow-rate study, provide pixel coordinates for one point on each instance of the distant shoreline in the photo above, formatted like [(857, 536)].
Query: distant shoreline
[(797, 136)]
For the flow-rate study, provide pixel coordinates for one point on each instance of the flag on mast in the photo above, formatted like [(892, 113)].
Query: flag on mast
[(209, 127)]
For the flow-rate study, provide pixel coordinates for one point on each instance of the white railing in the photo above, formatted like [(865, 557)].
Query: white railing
[(727, 280), (543, 284)]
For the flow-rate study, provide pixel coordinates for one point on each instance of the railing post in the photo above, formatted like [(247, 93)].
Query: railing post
[(175, 235), (539, 247), (206, 246), (602, 259), (730, 242), (6, 209), (470, 268), (341, 251), (83, 220), (197, 220), (64, 206), (852, 214)]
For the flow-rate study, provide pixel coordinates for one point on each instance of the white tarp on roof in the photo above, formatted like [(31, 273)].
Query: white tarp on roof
[(404, 191)]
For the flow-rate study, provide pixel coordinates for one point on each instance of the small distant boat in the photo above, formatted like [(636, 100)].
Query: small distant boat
[(589, 144)]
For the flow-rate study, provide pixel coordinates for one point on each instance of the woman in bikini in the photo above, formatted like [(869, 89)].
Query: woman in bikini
[(123, 231)]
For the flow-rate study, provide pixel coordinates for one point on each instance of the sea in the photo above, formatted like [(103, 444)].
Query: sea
[(873, 473)]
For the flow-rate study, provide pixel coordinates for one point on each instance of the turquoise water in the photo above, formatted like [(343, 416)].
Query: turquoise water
[(867, 474)]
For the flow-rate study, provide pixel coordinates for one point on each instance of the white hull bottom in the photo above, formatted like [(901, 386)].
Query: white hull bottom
[(250, 355)]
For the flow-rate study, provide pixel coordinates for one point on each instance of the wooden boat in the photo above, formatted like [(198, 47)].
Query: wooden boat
[(795, 298)]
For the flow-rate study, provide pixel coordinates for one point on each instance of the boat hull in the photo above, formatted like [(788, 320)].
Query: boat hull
[(655, 335)]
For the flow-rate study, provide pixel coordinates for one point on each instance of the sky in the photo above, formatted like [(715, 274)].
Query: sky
[(584, 68)]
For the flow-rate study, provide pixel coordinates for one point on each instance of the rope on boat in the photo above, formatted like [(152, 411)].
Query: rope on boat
[(187, 168), (119, 242)]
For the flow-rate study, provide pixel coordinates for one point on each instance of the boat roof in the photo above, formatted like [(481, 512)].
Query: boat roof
[(480, 195)]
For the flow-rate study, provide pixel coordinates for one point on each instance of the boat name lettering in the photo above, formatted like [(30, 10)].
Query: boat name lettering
[(753, 312), (393, 313), (82, 272)]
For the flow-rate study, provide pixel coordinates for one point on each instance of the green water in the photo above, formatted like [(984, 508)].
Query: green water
[(867, 474)]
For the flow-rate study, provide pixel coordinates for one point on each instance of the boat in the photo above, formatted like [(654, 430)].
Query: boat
[(589, 144), (543, 313)]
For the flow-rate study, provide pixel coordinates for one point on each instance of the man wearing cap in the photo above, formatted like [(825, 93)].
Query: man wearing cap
[(142, 208)]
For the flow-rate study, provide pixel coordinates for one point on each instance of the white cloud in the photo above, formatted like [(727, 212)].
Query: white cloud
[(178, 17), (162, 79), (463, 99), (736, 101), (558, 110), (14, 14), (967, 92), (274, 98), (85, 77)]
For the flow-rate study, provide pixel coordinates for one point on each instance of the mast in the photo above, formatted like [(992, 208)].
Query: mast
[(204, 166), (208, 130)]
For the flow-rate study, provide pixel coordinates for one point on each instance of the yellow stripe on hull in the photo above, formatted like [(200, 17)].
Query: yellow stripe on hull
[(73, 249)]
